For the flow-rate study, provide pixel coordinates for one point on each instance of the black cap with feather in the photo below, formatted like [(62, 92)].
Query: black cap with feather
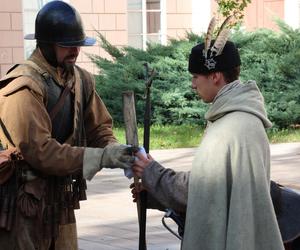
[(214, 55)]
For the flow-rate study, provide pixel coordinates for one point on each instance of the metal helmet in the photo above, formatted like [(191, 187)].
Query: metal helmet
[(58, 22)]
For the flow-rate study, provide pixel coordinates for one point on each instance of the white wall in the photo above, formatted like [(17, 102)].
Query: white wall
[(292, 13), (201, 15)]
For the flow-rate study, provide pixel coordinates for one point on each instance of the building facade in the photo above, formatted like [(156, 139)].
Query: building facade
[(130, 22)]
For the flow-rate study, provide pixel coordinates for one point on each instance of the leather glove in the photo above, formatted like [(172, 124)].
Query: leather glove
[(112, 156), (117, 156)]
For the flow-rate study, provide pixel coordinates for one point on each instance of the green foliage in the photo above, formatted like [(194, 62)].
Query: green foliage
[(268, 57), (173, 102), (271, 59), (233, 8)]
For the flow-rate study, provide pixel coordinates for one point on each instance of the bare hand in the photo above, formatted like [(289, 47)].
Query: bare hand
[(135, 190), (140, 163)]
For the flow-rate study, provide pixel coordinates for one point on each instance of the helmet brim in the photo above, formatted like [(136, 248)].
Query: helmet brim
[(88, 41), (29, 37)]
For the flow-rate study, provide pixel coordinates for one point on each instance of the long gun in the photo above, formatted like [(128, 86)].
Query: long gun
[(146, 144), (147, 115)]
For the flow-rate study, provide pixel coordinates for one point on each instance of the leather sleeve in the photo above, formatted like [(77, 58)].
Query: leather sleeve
[(98, 122)]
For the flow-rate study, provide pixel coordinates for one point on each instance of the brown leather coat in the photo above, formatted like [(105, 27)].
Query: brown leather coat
[(23, 111)]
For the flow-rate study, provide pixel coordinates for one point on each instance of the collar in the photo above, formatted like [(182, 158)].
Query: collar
[(57, 73)]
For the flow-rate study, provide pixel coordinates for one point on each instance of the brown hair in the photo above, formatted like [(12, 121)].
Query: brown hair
[(231, 74)]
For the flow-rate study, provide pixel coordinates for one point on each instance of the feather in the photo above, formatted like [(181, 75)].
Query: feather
[(209, 34), (225, 22), (220, 42), (221, 38)]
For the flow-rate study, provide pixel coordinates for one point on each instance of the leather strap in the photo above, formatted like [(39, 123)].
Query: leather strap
[(60, 102), (6, 132), (62, 97)]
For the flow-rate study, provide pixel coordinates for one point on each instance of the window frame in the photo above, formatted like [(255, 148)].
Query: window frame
[(144, 11)]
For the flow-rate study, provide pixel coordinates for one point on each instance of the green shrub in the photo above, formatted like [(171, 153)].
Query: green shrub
[(173, 102), (270, 58)]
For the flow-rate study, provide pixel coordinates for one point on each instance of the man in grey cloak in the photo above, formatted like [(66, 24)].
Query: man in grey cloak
[(226, 195)]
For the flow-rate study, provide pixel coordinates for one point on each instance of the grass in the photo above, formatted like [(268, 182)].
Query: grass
[(164, 137), (186, 136), (285, 135)]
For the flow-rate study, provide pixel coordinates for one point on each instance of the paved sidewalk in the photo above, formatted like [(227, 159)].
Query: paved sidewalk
[(108, 220)]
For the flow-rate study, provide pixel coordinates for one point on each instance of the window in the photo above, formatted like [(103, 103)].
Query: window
[(30, 10), (146, 22)]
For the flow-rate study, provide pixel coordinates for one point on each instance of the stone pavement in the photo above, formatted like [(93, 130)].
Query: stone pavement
[(108, 219)]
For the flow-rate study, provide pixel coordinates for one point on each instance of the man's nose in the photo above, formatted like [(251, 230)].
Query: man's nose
[(75, 50)]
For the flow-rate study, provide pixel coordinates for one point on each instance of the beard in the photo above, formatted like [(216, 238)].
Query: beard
[(67, 67), (66, 61), (49, 54), (67, 64)]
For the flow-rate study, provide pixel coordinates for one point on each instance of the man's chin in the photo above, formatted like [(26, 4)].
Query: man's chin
[(69, 67)]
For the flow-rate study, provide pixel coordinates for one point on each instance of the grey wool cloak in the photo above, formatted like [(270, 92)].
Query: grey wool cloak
[(229, 204)]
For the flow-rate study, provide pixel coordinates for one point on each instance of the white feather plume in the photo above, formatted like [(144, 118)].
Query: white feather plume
[(224, 24), (220, 42), (221, 38), (209, 34)]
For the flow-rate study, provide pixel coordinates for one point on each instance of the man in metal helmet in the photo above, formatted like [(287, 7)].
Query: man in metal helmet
[(51, 114), (59, 24)]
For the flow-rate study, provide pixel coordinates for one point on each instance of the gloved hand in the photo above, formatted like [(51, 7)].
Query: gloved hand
[(117, 156), (112, 156)]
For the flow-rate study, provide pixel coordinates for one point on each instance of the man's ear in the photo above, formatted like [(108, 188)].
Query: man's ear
[(214, 77), (218, 78)]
